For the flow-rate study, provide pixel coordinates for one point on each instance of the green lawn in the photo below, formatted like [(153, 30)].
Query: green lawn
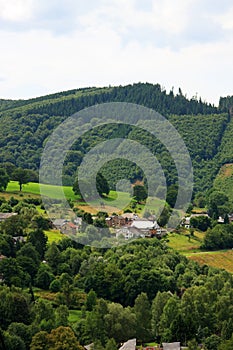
[(115, 202), (34, 188), (54, 235), (182, 243), (74, 315)]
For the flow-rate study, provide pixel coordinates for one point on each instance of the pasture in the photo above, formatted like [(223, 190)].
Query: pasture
[(218, 259)]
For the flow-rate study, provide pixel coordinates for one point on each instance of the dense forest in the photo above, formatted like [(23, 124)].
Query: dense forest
[(206, 130)]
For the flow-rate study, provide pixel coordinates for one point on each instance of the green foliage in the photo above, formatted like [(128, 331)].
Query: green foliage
[(212, 342), (52, 256), (13, 273), (61, 316), (140, 193), (200, 222), (13, 342), (193, 345), (220, 237), (111, 345), (14, 306), (120, 323), (101, 187), (21, 330), (91, 300), (44, 277), (226, 345), (55, 286), (4, 179), (39, 241), (142, 310), (23, 176)]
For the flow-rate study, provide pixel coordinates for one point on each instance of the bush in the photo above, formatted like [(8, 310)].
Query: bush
[(55, 286)]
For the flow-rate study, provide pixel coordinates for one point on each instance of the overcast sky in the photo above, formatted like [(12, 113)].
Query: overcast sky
[(54, 45)]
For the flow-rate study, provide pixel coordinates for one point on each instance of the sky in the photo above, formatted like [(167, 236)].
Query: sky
[(57, 45)]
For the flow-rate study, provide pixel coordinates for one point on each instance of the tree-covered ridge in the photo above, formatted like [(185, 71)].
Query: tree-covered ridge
[(148, 95), (75, 93)]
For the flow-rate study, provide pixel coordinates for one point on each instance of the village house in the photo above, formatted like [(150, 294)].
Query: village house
[(131, 345), (78, 222), (185, 222), (130, 226), (58, 223), (148, 228), (68, 228), (116, 221), (129, 233), (19, 239), (230, 217), (221, 219)]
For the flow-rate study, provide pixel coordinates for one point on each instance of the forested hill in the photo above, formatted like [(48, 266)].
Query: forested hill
[(149, 95), (26, 124)]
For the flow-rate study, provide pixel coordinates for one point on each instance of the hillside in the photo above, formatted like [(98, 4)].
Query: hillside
[(26, 124), (224, 180)]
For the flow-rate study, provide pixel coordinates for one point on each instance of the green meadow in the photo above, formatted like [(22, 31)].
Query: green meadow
[(54, 235), (114, 202), (34, 188)]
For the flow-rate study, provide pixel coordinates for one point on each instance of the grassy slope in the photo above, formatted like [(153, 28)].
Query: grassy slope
[(34, 188), (54, 235), (222, 259), (113, 203), (182, 243), (219, 259)]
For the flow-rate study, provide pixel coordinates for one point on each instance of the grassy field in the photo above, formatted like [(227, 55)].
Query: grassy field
[(34, 188), (222, 259), (219, 259), (54, 235), (115, 202), (183, 243)]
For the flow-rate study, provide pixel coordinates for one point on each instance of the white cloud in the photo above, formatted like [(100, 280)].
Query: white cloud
[(16, 10), (166, 15), (226, 19), (116, 43)]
